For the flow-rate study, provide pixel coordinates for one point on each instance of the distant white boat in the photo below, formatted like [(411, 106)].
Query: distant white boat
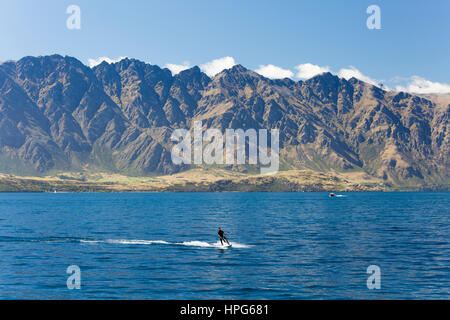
[(336, 195)]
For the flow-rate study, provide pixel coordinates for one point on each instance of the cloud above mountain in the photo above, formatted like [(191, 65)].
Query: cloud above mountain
[(93, 62), (309, 70), (177, 68), (352, 72), (215, 66), (421, 85), (273, 72)]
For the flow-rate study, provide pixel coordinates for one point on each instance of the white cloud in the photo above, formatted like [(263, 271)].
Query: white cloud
[(94, 62), (352, 72), (420, 85), (5, 61), (177, 68), (308, 70), (213, 67), (273, 72)]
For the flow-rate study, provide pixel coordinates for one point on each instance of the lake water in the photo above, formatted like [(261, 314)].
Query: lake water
[(165, 245)]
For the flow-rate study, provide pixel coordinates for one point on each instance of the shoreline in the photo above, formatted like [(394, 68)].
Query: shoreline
[(212, 189), (211, 180), (142, 192)]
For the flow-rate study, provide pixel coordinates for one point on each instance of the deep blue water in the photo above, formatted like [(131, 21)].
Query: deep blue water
[(164, 245)]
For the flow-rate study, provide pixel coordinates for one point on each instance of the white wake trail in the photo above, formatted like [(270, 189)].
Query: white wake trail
[(195, 243)]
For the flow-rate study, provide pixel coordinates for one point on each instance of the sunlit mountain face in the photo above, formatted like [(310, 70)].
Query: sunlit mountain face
[(58, 114)]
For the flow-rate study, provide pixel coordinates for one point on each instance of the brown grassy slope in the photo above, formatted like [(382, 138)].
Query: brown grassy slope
[(196, 180)]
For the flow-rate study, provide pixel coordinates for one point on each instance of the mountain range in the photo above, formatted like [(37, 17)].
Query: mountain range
[(59, 115)]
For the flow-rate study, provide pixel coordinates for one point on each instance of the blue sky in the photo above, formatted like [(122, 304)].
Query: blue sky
[(273, 37)]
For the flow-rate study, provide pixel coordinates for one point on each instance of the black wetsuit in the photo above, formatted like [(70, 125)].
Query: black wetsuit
[(222, 237)]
